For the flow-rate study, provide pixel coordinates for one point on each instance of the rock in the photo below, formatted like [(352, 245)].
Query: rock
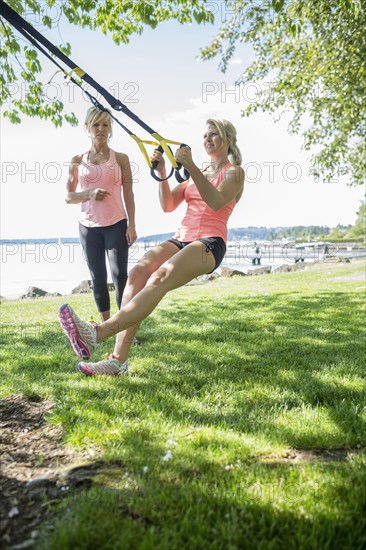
[(213, 276), (13, 512), (38, 483), (84, 286), (87, 286), (202, 279), (24, 545), (260, 270), (283, 268), (38, 489), (299, 266), (34, 292), (228, 272)]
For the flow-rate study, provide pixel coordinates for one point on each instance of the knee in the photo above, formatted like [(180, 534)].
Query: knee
[(119, 278), (118, 271), (100, 284), (137, 275), (159, 277)]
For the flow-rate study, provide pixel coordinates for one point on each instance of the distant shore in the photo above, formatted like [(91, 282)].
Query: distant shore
[(85, 286), (58, 265)]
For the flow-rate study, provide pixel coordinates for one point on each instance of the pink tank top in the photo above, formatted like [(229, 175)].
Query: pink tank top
[(200, 220), (106, 176)]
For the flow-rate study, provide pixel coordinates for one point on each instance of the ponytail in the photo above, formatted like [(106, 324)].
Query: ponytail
[(235, 154), (227, 133)]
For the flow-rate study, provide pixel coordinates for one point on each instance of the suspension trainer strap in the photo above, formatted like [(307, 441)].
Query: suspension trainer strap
[(28, 30), (36, 38)]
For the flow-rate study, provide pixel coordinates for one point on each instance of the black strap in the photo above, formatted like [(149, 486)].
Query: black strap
[(186, 175), (36, 38), (29, 32), (178, 175), (154, 165)]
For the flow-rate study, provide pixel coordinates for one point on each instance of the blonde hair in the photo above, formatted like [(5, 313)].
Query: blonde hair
[(95, 115), (227, 132)]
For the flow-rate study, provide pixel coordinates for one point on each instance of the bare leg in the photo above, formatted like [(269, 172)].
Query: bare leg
[(178, 270), (137, 279), (105, 315), (124, 341)]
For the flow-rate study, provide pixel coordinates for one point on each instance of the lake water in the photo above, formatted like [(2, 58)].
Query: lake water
[(51, 266), (57, 267)]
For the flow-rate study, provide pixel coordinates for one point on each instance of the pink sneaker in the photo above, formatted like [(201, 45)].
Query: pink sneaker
[(104, 367), (82, 336)]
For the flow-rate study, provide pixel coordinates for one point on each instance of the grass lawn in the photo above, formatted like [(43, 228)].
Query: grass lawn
[(242, 423)]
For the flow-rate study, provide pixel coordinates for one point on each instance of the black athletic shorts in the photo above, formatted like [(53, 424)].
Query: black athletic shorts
[(215, 245)]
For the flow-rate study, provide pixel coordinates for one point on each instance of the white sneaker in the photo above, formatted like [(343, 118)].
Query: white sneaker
[(104, 367)]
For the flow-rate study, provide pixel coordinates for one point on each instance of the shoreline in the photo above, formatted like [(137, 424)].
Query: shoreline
[(226, 270), (59, 268)]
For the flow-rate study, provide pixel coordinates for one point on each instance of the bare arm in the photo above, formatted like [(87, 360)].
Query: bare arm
[(128, 195), (169, 198), (75, 197), (216, 198)]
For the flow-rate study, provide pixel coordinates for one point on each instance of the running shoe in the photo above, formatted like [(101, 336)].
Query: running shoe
[(82, 336), (105, 367)]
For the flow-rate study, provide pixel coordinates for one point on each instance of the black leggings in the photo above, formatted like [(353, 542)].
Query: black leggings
[(96, 241)]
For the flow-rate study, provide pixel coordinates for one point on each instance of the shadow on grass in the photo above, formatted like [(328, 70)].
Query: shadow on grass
[(158, 513), (243, 369), (287, 370)]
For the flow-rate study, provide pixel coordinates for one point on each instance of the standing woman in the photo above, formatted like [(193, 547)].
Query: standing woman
[(106, 222), (198, 247)]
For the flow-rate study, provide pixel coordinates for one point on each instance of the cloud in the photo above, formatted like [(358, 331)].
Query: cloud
[(236, 61)]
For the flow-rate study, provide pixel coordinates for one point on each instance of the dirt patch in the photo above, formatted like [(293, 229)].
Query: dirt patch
[(309, 455), (37, 470), (352, 277)]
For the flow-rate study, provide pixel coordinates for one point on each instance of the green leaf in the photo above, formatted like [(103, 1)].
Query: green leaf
[(278, 5)]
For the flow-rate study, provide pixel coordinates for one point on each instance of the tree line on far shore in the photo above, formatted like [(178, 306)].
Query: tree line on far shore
[(355, 232), (341, 232)]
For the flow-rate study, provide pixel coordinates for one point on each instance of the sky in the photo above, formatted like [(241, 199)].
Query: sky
[(158, 76)]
